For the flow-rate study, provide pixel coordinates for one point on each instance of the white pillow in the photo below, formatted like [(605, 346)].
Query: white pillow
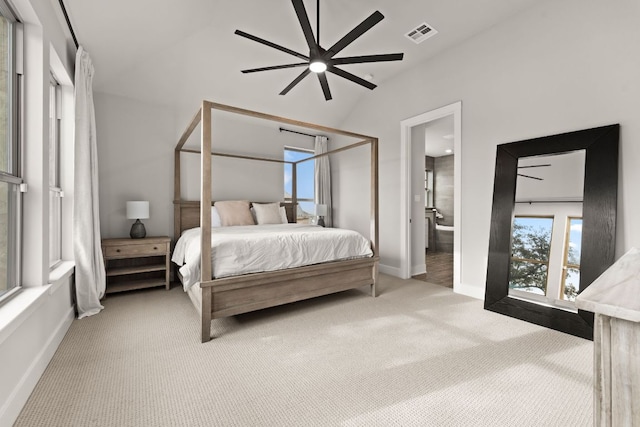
[(215, 217), (283, 215), (267, 213)]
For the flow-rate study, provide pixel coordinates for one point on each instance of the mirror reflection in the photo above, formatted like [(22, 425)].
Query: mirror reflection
[(546, 231)]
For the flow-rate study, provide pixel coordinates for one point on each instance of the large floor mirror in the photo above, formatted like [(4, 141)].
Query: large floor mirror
[(552, 226)]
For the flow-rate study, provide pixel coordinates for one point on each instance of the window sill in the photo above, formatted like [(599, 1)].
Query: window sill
[(19, 308), (58, 276)]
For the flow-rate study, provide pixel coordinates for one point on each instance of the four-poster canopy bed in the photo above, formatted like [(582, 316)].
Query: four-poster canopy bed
[(227, 296)]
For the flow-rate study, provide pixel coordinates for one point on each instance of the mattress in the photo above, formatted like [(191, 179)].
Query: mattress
[(247, 249)]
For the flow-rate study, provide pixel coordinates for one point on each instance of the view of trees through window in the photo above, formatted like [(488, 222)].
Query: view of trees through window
[(305, 181), (530, 248)]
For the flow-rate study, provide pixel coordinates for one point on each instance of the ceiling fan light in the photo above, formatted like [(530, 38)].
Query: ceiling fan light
[(318, 66)]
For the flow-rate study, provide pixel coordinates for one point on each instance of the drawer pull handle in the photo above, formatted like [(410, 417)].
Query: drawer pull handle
[(117, 250), (155, 248)]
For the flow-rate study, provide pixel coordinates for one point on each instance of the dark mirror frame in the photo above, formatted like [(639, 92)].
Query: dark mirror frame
[(598, 223)]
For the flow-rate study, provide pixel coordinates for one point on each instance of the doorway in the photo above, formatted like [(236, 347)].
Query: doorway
[(418, 232)]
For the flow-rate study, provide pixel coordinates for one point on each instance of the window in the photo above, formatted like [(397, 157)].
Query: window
[(305, 185), (55, 192), (571, 259), (530, 248), (10, 180)]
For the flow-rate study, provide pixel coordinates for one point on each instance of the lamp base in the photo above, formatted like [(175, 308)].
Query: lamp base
[(321, 221), (137, 230)]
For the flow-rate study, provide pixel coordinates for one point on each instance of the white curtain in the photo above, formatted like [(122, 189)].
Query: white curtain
[(90, 274), (323, 178)]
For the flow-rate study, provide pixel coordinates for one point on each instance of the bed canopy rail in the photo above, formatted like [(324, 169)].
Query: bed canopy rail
[(203, 118)]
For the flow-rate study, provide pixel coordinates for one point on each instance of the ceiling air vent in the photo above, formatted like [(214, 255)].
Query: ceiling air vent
[(421, 33)]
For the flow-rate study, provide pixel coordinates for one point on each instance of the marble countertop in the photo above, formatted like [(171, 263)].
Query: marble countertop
[(616, 293)]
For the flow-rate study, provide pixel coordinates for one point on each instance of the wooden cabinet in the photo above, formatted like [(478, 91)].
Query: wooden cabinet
[(136, 263)]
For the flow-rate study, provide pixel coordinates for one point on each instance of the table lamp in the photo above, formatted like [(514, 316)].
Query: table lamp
[(138, 210), (321, 212)]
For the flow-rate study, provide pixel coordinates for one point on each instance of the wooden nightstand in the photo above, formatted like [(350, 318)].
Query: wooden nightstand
[(136, 263)]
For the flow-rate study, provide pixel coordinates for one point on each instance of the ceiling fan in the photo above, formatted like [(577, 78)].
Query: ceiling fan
[(532, 166), (320, 60)]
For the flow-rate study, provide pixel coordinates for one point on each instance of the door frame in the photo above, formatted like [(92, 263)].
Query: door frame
[(454, 109)]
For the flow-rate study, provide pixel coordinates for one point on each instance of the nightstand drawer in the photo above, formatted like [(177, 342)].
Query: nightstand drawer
[(145, 249)]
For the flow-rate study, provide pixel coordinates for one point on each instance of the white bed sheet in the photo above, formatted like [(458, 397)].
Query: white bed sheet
[(257, 248)]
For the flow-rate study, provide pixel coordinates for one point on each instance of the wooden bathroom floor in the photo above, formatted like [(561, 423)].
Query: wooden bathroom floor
[(439, 269)]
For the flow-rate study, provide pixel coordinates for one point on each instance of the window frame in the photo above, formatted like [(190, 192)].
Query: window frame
[(565, 257), (299, 199), (55, 187), (13, 175)]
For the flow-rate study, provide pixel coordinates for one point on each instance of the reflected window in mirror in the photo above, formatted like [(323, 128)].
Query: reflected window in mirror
[(571, 262), (549, 190), (530, 250)]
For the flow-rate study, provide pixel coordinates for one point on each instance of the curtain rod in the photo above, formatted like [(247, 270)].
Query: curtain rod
[(295, 131), (548, 201), (66, 17)]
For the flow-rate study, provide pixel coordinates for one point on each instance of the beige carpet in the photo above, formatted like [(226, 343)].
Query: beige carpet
[(418, 355)]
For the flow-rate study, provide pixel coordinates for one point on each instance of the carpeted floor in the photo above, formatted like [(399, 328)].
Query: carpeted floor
[(417, 355)]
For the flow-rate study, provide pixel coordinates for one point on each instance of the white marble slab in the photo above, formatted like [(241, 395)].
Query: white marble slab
[(616, 293)]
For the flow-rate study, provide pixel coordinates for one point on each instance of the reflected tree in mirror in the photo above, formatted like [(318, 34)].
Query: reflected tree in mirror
[(531, 245)]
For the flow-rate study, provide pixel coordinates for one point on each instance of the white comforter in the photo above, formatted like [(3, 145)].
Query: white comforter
[(256, 248)]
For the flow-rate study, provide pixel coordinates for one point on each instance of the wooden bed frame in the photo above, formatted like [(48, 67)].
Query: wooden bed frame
[(228, 296)]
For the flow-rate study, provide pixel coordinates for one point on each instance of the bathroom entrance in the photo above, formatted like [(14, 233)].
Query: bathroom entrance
[(430, 156)]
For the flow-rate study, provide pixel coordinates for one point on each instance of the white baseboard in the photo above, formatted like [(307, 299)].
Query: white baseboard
[(391, 271), (470, 291), (11, 409), (418, 269)]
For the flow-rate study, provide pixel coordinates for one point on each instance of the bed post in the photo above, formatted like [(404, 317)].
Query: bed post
[(374, 211), (177, 196), (294, 190), (206, 313), (205, 219)]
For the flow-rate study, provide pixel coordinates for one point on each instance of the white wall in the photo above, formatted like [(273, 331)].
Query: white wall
[(561, 66), (135, 155)]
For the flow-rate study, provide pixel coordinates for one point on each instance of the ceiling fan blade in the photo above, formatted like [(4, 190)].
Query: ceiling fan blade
[(273, 45), (298, 5), (325, 86), (276, 67), (295, 82), (368, 58), (362, 28), (352, 77), (533, 166), (531, 177)]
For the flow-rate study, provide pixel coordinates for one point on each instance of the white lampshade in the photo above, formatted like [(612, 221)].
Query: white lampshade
[(138, 210), (321, 210)]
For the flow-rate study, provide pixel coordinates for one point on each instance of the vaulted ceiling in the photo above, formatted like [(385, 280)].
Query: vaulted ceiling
[(179, 52)]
